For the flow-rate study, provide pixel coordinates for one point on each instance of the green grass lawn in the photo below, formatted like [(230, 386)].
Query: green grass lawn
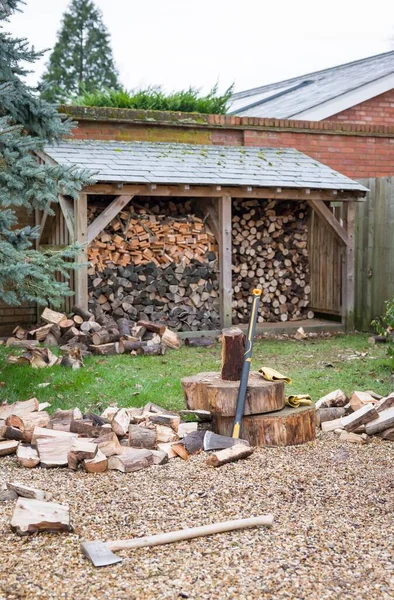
[(316, 367)]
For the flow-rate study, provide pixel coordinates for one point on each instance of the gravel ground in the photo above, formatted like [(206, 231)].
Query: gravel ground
[(332, 537)]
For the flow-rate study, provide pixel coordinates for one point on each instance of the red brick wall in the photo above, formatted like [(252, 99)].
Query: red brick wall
[(357, 150), (376, 111)]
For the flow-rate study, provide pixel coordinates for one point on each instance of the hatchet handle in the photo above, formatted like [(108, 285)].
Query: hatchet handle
[(190, 533), (243, 384)]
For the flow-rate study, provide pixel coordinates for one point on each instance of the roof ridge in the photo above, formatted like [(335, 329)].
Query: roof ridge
[(267, 87)]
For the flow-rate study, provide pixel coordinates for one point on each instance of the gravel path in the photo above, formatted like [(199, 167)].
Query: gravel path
[(333, 535)]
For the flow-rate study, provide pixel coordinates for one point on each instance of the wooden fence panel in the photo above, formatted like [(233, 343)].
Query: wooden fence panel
[(374, 250)]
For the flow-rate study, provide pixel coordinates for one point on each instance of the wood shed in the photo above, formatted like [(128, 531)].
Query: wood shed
[(182, 232)]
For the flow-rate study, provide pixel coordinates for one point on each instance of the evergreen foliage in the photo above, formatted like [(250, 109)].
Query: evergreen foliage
[(26, 124), (82, 57), (155, 99)]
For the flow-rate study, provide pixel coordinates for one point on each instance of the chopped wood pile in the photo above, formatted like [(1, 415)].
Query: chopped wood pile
[(80, 333), (155, 262), (358, 418), (122, 439), (270, 252)]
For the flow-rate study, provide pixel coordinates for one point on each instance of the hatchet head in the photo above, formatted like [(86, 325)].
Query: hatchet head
[(99, 554)]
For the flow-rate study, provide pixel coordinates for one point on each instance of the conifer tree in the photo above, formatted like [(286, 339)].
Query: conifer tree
[(27, 123), (81, 60)]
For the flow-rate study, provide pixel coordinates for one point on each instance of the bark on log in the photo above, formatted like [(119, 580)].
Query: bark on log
[(199, 342), (108, 349), (8, 447), (155, 327), (155, 350), (288, 427), (61, 419), (105, 336), (98, 464), (28, 492), (87, 428), (385, 403), (81, 450), (27, 423), (329, 414), (362, 416), (132, 460), (142, 437), (109, 444), (384, 421), (131, 346), (233, 349), (35, 516), (169, 420), (388, 434), (229, 455), (123, 327), (194, 442), (337, 398), (171, 339), (85, 314)]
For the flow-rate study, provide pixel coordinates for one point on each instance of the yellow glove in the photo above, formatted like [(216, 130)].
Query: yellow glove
[(272, 375), (297, 400)]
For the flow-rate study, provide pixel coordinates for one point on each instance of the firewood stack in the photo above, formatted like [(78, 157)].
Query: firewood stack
[(155, 261), (82, 331), (123, 439), (270, 252)]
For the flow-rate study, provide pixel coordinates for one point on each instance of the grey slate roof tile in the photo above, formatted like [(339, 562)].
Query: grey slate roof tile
[(159, 162), (285, 99)]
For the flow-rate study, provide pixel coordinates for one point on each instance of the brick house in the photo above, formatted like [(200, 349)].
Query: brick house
[(358, 92)]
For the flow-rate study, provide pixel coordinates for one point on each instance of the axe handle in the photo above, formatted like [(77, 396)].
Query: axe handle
[(190, 533), (243, 385)]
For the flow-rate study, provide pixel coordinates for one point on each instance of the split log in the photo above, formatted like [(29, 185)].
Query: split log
[(98, 464), (28, 492), (81, 450), (51, 316), (86, 428), (171, 339), (42, 432), (19, 408), (105, 336), (110, 412), (364, 415), (353, 438), (108, 349), (159, 457), (78, 320), (120, 423), (8, 447), (20, 333), (132, 460), (12, 433), (65, 325), (167, 448), (16, 343), (154, 350), (337, 398), (109, 444), (384, 421), (233, 349), (329, 414), (165, 434), (169, 420), (207, 391), (385, 403), (2, 429), (388, 434), (53, 451), (155, 327), (41, 332), (61, 419), (50, 340), (123, 327), (359, 399), (229, 455), (71, 333), (85, 314), (27, 423), (35, 516), (27, 456), (287, 427), (142, 437), (180, 450), (186, 428), (328, 426)]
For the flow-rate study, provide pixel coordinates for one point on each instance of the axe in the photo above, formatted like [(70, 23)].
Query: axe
[(101, 555), (243, 385)]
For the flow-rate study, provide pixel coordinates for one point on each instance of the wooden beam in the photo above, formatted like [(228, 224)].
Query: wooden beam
[(67, 209), (225, 260), (81, 274), (348, 268), (324, 212), (213, 219), (42, 223), (232, 191), (106, 216)]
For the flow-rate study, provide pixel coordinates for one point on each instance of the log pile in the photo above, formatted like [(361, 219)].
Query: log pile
[(155, 262), (355, 421), (270, 252), (81, 333)]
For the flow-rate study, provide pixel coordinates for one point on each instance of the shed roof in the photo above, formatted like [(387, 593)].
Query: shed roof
[(167, 163), (352, 83)]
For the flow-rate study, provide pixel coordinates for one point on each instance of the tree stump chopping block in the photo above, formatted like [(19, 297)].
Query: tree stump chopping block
[(288, 427), (207, 391)]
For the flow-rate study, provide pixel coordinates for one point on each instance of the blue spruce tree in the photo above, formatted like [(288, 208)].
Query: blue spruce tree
[(27, 123)]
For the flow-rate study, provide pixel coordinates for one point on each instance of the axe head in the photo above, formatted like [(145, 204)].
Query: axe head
[(99, 554), (214, 441)]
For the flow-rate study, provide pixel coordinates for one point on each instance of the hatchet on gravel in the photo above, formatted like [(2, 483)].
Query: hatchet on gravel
[(101, 555)]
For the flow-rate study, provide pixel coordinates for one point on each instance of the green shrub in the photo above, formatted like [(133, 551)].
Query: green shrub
[(384, 326), (153, 98)]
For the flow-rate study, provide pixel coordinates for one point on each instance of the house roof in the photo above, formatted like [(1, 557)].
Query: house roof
[(171, 163), (316, 96)]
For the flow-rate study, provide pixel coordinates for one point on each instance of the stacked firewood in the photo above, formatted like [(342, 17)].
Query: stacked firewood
[(162, 233), (270, 252), (358, 418), (80, 332), (123, 439), (155, 262)]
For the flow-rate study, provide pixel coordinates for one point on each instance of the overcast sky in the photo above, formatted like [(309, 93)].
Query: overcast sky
[(177, 43)]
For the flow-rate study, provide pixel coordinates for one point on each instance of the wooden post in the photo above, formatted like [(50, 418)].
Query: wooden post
[(81, 228), (348, 261), (225, 261)]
